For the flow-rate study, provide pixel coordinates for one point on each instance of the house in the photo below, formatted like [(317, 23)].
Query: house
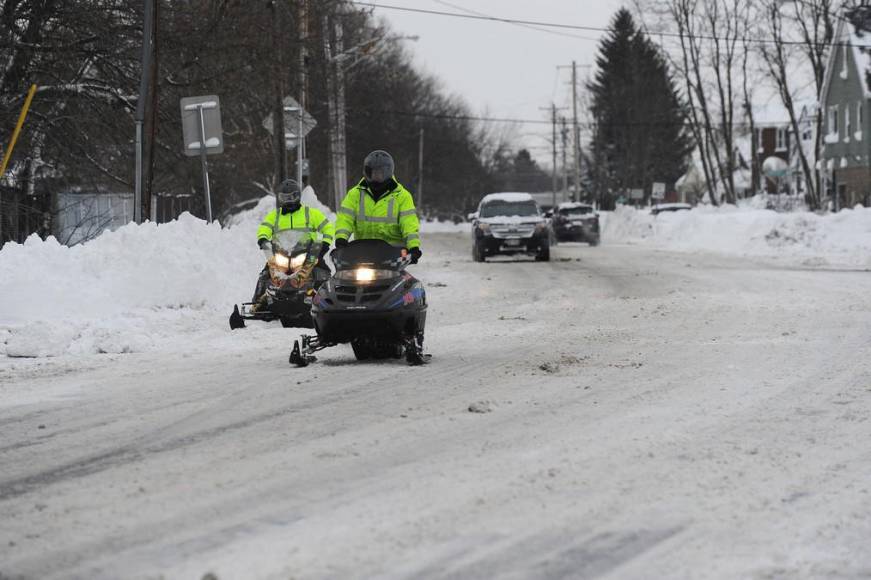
[(771, 141), (844, 160), (82, 216)]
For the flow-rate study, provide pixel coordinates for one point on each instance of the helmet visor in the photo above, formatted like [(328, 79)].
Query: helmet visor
[(289, 197)]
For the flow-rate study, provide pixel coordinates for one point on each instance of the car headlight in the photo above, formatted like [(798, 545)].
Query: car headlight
[(540, 227), (365, 274), (282, 261), (485, 228)]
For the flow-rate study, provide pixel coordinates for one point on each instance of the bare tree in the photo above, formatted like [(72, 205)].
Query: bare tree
[(712, 60), (800, 30)]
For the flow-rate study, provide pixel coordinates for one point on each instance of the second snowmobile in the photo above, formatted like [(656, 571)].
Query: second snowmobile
[(293, 281)]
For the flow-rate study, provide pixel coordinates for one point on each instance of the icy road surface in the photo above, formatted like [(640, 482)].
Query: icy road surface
[(641, 415)]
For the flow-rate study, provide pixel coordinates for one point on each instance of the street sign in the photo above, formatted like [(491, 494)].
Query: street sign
[(636, 194), (201, 124), (658, 190), (291, 122), (205, 110)]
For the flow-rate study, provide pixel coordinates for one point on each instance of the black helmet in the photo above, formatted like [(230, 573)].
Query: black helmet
[(289, 195), (378, 167)]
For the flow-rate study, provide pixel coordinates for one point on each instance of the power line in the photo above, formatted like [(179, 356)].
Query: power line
[(559, 25), (536, 28), (519, 121)]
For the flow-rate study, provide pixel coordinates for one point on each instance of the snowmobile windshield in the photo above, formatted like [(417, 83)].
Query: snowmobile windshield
[(580, 210), (368, 253), (509, 208), (294, 242)]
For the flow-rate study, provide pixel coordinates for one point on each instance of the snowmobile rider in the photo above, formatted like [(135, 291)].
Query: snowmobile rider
[(305, 223), (379, 207)]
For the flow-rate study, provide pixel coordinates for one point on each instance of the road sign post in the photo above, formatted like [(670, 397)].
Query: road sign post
[(203, 135)]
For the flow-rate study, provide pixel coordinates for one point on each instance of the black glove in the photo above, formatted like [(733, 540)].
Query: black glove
[(325, 247), (264, 243), (415, 255), (341, 243)]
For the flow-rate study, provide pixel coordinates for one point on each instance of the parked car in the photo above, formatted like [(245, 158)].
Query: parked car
[(510, 223), (659, 208), (576, 222)]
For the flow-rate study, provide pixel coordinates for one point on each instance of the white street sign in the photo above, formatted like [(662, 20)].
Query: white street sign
[(205, 109)]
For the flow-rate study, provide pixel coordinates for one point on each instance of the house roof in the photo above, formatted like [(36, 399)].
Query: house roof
[(860, 44), (771, 114)]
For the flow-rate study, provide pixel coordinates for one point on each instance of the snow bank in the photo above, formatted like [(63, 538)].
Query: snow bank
[(842, 239), (107, 294)]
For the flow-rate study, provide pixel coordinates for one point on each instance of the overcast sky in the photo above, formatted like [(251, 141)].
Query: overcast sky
[(502, 69)]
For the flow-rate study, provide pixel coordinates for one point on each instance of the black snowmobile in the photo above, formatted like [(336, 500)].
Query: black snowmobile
[(287, 297), (371, 302)]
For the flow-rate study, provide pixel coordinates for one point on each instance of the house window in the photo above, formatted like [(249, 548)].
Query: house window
[(833, 120), (848, 127), (844, 61), (781, 139)]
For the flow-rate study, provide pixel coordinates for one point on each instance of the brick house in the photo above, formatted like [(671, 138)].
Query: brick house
[(772, 138), (844, 161)]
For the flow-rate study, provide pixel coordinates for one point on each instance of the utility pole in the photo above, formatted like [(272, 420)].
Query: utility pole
[(553, 179), (341, 155), (151, 121), (279, 141), (576, 138), (333, 54), (564, 133), (144, 82), (302, 80), (420, 170), (553, 110)]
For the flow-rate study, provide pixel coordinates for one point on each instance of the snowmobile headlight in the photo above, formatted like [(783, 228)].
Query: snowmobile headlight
[(297, 261), (365, 274), (282, 261)]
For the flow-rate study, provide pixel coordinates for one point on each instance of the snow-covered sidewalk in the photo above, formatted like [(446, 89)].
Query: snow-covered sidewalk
[(797, 238)]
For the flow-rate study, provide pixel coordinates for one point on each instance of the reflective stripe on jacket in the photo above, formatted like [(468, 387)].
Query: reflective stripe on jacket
[(311, 224), (392, 218)]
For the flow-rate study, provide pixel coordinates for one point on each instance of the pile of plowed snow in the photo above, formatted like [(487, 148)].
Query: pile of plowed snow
[(842, 239), (134, 289)]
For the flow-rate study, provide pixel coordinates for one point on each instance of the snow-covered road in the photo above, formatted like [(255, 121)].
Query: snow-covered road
[(646, 415)]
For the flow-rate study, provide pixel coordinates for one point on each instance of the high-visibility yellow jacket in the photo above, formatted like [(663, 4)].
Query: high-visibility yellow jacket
[(392, 218), (301, 226)]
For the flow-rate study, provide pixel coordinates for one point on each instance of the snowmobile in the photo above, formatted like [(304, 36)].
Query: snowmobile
[(293, 281), (371, 302)]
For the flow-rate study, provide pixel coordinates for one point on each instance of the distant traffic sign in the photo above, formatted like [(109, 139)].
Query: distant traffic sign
[(636, 194), (658, 190), (291, 122)]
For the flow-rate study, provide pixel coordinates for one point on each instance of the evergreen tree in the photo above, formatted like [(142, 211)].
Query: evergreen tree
[(640, 134)]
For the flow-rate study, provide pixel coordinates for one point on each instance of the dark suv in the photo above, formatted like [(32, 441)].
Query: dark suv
[(510, 223), (576, 222)]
